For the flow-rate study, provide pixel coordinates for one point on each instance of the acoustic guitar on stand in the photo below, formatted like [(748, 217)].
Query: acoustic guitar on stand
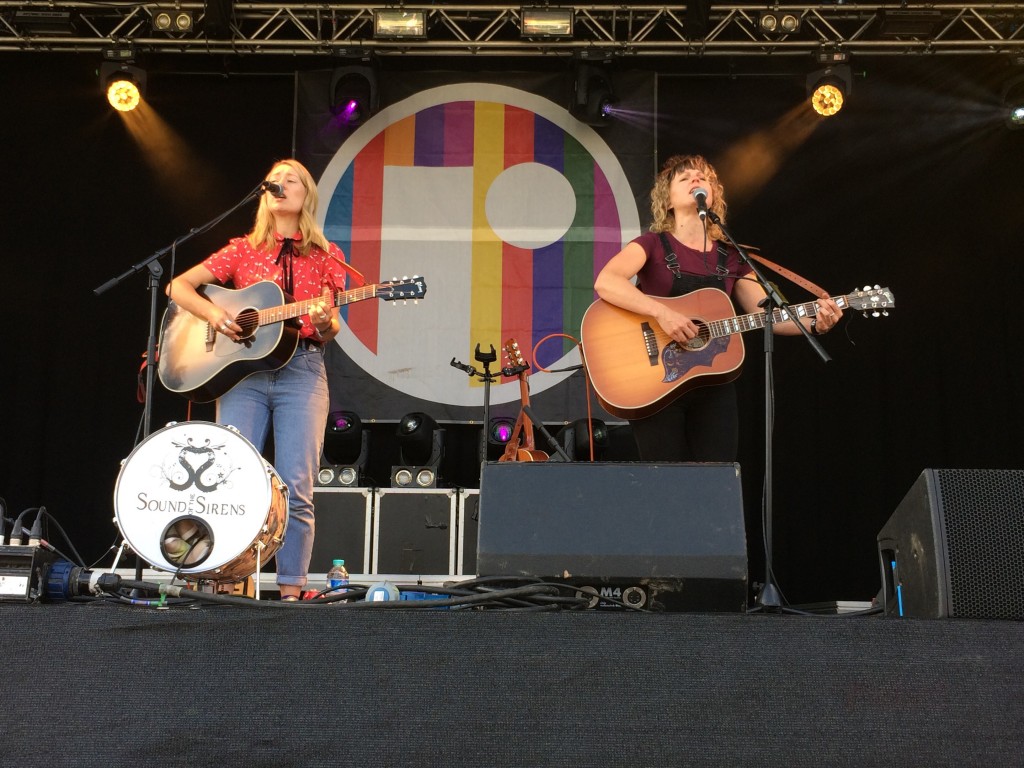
[(521, 446), (201, 364), (636, 369)]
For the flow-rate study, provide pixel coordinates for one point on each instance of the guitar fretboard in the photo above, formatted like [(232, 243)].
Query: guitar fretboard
[(741, 323), (298, 308)]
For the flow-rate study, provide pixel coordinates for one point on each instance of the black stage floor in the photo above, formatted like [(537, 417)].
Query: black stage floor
[(98, 684)]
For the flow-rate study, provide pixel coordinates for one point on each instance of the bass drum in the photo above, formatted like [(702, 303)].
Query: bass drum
[(197, 499)]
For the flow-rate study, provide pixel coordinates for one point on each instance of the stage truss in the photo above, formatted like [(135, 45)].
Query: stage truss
[(600, 30)]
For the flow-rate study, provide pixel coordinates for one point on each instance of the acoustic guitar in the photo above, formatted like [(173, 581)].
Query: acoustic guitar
[(201, 364), (636, 369), (521, 446)]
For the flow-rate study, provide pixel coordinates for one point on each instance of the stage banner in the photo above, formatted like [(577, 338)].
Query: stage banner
[(504, 203)]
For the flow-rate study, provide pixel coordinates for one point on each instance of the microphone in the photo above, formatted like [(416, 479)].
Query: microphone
[(273, 188), (701, 196)]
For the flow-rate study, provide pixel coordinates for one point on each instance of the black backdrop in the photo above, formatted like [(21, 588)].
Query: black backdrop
[(916, 186)]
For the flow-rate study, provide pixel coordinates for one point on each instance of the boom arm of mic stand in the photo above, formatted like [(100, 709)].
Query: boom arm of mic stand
[(775, 299)]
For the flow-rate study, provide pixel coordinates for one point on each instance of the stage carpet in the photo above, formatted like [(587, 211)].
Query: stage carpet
[(105, 685)]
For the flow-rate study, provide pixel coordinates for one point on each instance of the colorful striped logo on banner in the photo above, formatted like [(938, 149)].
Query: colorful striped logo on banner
[(507, 214)]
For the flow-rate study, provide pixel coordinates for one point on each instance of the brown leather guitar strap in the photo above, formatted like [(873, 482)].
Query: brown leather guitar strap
[(803, 282)]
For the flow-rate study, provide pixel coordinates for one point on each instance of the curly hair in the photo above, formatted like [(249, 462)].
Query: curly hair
[(662, 217), (262, 234)]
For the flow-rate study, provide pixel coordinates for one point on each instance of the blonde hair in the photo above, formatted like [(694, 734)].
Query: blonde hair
[(262, 234), (662, 217)]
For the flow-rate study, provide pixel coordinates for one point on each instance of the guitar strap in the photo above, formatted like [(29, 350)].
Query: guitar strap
[(803, 282)]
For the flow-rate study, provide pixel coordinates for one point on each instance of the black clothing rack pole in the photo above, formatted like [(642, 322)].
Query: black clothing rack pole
[(768, 597), (151, 263)]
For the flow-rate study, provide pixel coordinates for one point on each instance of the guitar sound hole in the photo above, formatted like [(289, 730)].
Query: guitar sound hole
[(248, 319), (699, 341)]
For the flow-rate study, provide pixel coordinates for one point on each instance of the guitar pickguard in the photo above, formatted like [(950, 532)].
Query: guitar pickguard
[(677, 361)]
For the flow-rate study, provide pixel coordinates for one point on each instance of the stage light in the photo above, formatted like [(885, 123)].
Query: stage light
[(592, 96), (902, 24), (123, 84), (172, 20), (575, 439), (541, 23), (44, 23), (420, 450), (828, 89), (400, 24), (500, 430), (346, 448), (354, 97), (778, 22), (1013, 103)]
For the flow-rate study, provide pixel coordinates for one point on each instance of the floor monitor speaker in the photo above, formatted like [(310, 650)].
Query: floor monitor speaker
[(954, 547), (658, 536)]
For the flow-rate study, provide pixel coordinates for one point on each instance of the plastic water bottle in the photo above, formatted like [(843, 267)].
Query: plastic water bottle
[(337, 579)]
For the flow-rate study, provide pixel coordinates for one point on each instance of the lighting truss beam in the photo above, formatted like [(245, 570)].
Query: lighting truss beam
[(291, 29)]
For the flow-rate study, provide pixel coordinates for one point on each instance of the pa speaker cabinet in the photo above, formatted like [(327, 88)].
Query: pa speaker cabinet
[(660, 536), (954, 547), (344, 519), (414, 531)]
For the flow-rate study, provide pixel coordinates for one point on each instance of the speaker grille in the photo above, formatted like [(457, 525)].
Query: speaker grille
[(983, 513)]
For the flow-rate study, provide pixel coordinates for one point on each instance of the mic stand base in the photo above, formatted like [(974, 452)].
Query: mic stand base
[(768, 598)]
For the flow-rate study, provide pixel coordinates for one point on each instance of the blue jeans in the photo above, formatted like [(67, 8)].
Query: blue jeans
[(295, 401)]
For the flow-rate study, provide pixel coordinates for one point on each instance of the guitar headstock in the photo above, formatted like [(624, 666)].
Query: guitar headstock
[(874, 301), (515, 356), (404, 289)]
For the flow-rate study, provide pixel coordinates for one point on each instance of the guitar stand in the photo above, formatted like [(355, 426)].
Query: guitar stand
[(486, 358)]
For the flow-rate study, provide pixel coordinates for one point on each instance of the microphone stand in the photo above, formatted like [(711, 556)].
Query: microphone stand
[(768, 597), (151, 263), (155, 273)]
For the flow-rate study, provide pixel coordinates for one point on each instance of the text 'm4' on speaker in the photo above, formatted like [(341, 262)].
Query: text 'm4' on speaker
[(657, 536), (954, 547)]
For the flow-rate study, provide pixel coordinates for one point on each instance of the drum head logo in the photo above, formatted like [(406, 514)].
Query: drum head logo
[(198, 465)]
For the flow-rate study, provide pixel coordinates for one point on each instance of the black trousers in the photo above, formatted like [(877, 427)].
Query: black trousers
[(702, 425)]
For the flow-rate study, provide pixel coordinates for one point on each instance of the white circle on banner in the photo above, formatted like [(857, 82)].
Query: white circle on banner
[(532, 193)]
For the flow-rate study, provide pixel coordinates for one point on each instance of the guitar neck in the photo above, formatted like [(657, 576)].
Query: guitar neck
[(755, 320), (298, 308), (524, 397)]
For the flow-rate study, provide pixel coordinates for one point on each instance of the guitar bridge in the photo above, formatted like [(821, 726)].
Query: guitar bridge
[(650, 342)]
